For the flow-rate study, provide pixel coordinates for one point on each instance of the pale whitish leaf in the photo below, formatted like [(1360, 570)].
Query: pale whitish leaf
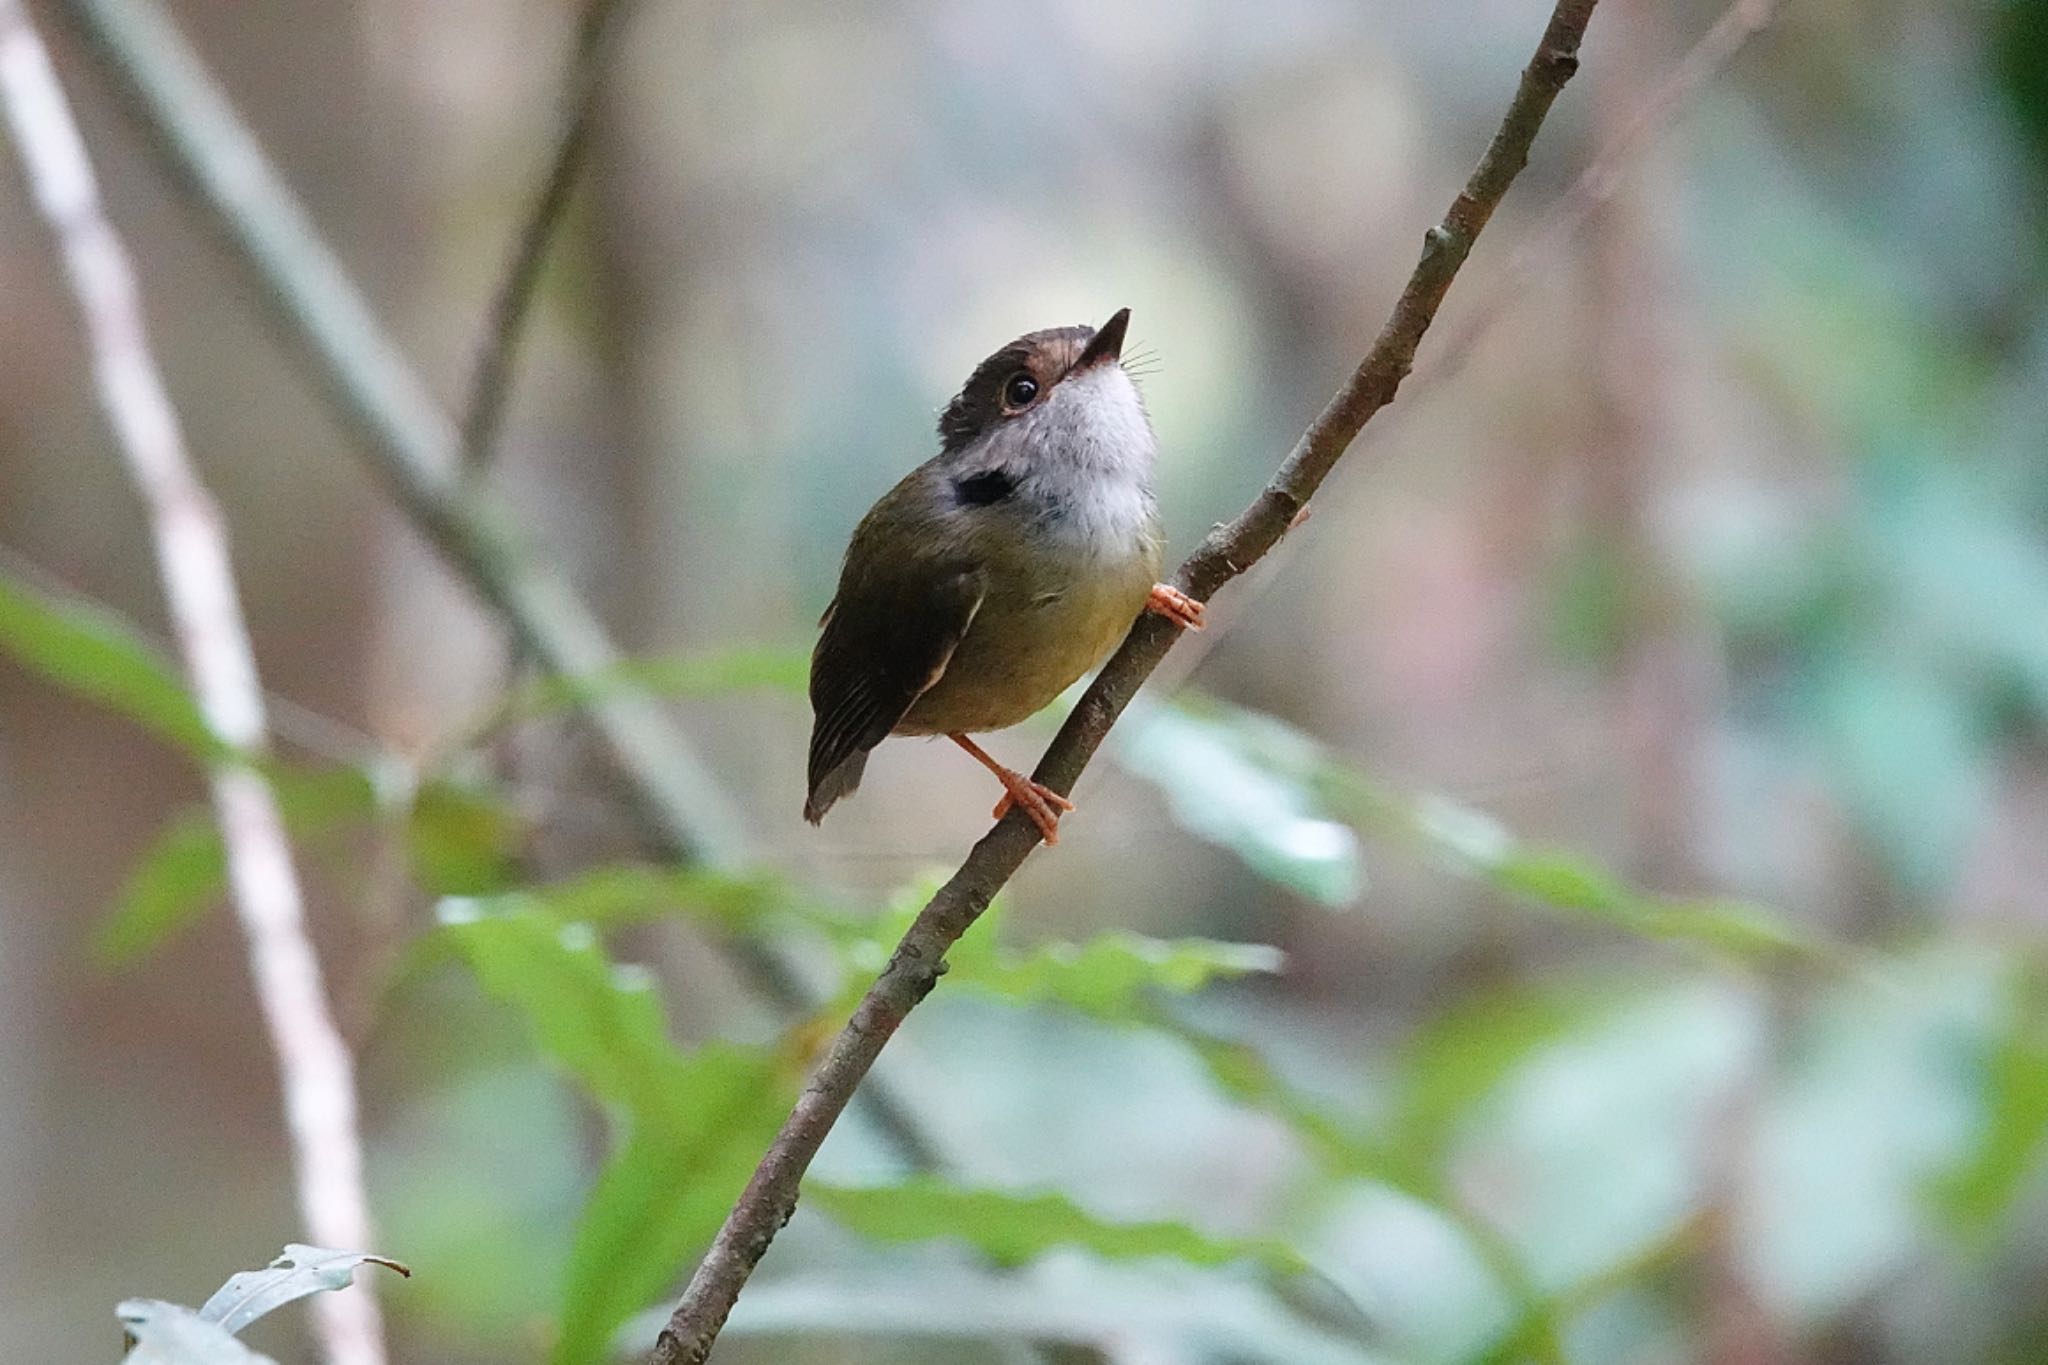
[(1239, 780), (90, 652), (1012, 1229), (171, 1334), (300, 1271)]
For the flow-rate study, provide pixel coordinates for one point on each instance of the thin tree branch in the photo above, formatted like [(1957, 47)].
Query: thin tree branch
[(409, 439), (415, 449), (491, 385), (1228, 551), (314, 1066)]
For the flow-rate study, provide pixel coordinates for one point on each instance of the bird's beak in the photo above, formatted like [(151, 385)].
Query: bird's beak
[(1107, 344)]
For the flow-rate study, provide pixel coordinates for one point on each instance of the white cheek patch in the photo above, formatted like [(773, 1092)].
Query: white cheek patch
[(1107, 417), (1101, 475)]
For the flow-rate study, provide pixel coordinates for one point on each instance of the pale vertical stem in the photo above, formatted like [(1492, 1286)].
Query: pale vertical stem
[(314, 1066)]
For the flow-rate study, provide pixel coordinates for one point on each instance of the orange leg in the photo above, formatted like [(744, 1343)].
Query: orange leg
[(1176, 606), (1041, 803)]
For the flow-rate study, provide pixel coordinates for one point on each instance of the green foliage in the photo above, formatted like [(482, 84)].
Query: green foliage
[(1324, 789), (620, 894), (184, 872), (1457, 1059), (2011, 1138), (693, 1123), (462, 840), (702, 675), (96, 655), (1236, 780), (1012, 1229), (168, 1334), (1110, 977)]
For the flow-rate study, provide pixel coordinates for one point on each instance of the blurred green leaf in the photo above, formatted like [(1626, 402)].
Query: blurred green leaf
[(2020, 61), (300, 1271), (1459, 1057), (184, 872), (1301, 784), (170, 1334), (2013, 1135), (1241, 781), (1338, 1147), (600, 1022), (463, 840), (694, 1123), (1013, 1229), (94, 654), (1343, 1151), (1475, 844), (752, 668), (663, 1194), (1108, 977), (632, 893)]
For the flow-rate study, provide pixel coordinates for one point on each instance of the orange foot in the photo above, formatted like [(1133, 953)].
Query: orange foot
[(1041, 803), (1176, 606)]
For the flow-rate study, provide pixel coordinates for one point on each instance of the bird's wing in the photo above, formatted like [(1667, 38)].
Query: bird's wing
[(887, 638)]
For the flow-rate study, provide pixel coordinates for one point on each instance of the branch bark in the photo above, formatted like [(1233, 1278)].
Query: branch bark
[(314, 1067), (1229, 550)]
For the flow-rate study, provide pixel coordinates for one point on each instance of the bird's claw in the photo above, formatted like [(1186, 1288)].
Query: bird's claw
[(1040, 802), (1176, 606)]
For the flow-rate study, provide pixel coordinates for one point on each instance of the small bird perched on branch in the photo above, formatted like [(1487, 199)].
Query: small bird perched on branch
[(995, 574)]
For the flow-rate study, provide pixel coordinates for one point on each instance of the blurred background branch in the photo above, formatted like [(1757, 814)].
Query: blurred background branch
[(404, 434), (418, 452), (315, 1070), (490, 386)]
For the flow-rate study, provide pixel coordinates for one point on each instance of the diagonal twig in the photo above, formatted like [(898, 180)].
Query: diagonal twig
[(314, 1066), (1228, 551), (491, 386)]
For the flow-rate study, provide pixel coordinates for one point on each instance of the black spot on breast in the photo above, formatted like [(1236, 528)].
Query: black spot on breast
[(989, 486)]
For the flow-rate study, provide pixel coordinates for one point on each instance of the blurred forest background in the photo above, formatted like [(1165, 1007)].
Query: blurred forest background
[(1639, 763)]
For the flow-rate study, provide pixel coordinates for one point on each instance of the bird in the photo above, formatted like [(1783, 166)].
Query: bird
[(999, 571)]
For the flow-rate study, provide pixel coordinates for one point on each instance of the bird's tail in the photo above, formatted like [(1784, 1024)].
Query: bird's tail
[(843, 780)]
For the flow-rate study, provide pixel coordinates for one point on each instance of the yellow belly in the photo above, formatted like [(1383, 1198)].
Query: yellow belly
[(1029, 642)]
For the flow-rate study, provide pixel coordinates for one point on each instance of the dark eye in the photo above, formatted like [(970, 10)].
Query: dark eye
[(1019, 392)]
